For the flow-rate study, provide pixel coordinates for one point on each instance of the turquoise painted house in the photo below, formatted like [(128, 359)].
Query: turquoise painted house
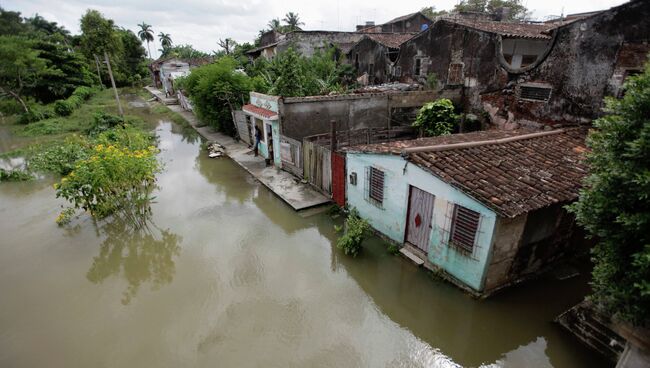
[(484, 207), (262, 113)]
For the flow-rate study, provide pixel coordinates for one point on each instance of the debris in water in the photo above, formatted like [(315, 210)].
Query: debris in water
[(215, 150)]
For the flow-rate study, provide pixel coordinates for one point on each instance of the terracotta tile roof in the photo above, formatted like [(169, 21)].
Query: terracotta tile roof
[(392, 40), (259, 111), (508, 29), (511, 178)]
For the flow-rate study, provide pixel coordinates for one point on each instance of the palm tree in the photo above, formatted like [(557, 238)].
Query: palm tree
[(165, 40), (275, 24), (293, 21), (146, 34)]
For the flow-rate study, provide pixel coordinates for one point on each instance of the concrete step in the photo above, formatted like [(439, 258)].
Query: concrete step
[(415, 259)]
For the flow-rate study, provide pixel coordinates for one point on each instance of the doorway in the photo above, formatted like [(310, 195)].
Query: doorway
[(419, 217)]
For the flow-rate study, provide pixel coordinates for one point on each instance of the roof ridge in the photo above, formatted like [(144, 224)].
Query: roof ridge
[(451, 146)]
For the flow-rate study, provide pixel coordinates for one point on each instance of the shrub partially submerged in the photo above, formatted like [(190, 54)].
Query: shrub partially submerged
[(355, 231)]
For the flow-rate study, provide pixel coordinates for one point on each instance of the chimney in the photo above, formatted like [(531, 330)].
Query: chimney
[(370, 23)]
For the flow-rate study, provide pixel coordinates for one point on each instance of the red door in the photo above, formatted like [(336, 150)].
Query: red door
[(338, 178), (419, 217)]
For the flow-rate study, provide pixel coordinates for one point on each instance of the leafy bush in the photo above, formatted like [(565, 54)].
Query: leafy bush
[(63, 108), (84, 93), (36, 113), (355, 232), (59, 158), (103, 121), (614, 206), (14, 175), (113, 180), (437, 118), (432, 80), (215, 89)]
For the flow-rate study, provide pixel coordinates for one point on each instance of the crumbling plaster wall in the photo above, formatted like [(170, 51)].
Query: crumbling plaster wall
[(445, 43), (307, 42), (370, 52), (584, 64)]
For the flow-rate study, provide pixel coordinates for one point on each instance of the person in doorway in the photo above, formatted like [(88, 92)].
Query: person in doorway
[(258, 138), (269, 161)]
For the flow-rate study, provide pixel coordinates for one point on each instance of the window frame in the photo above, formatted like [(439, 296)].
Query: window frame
[(376, 199), (457, 242)]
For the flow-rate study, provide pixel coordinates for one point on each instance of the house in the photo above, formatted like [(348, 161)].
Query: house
[(290, 122), (267, 48), (531, 75), (164, 71), (485, 207), (463, 54), (588, 58), (375, 54), (414, 22), (263, 114)]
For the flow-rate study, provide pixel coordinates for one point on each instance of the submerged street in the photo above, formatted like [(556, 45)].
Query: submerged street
[(228, 275)]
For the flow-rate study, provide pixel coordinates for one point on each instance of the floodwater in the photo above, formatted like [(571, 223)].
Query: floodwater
[(227, 275)]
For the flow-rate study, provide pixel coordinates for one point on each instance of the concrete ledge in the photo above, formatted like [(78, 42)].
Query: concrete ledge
[(415, 259), (297, 195)]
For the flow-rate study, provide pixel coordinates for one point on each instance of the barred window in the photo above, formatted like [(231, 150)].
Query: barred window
[(534, 92), (455, 75), (375, 186), (464, 226)]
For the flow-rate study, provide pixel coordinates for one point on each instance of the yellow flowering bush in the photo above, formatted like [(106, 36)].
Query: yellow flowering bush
[(112, 180)]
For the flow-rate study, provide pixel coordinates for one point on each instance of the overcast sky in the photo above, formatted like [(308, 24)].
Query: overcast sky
[(202, 22)]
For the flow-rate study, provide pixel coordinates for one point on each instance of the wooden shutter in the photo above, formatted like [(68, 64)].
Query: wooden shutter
[(376, 185), (464, 226)]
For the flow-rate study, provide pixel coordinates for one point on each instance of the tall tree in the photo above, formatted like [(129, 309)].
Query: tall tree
[(432, 13), (227, 45), (20, 67), (275, 24), (98, 35), (293, 21), (146, 35), (614, 206), (165, 40), (516, 9)]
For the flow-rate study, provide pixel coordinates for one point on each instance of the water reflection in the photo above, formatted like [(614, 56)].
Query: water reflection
[(145, 255)]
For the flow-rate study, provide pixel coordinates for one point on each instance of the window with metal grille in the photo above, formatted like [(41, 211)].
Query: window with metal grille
[(537, 93), (455, 75), (375, 182), (464, 226)]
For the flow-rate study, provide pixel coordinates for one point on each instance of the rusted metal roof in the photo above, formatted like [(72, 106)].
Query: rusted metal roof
[(256, 110), (391, 40), (511, 178), (508, 29)]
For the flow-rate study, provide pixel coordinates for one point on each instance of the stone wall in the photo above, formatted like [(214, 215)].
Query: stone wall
[(305, 116), (307, 42)]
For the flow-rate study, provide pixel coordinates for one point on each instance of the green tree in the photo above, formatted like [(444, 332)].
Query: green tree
[(437, 118), (132, 64), (286, 74), (227, 45), (517, 9), (98, 35), (216, 90), (275, 24), (184, 52), (66, 70), (614, 206), (165, 39), (432, 13), (11, 23), (146, 35), (20, 67), (293, 22)]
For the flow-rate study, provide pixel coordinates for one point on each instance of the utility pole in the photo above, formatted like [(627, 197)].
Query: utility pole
[(101, 85), (110, 73)]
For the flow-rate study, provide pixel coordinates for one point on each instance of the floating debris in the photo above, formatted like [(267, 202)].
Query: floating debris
[(215, 150)]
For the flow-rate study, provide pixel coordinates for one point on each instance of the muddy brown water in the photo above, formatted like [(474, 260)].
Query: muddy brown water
[(229, 276)]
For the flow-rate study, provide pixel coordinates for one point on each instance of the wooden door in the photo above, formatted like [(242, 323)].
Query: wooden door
[(419, 217)]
